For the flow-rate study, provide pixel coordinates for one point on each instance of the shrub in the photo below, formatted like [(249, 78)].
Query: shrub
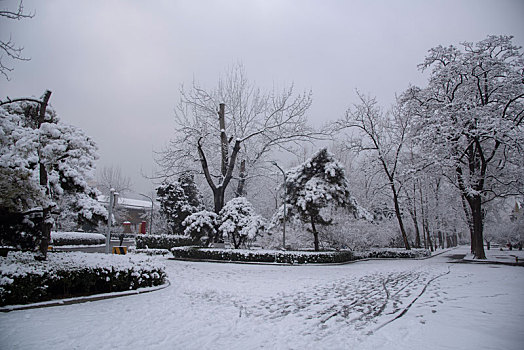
[(292, 257), (239, 223), (77, 238), (162, 241), (25, 280), (392, 253), (268, 256), (201, 226)]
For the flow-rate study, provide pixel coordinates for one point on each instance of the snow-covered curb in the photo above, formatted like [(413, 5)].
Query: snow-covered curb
[(84, 299)]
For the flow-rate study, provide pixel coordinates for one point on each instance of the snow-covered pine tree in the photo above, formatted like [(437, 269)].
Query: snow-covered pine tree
[(32, 145), (239, 222), (194, 198), (314, 188), (178, 200)]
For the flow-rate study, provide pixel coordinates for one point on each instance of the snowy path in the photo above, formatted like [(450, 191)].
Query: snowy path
[(230, 306)]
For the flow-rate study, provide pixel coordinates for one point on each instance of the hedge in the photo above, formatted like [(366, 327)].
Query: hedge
[(162, 241), (77, 238), (392, 253), (267, 256), (291, 257), (24, 280)]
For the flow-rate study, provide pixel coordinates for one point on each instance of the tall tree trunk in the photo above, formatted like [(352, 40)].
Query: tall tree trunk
[(218, 197), (240, 192), (224, 145), (315, 234), (47, 223), (399, 217), (476, 213)]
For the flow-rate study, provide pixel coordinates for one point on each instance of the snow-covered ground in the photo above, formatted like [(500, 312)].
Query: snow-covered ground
[(233, 306)]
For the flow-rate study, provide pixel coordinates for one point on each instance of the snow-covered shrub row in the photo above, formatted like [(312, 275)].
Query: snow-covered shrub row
[(77, 238), (294, 257), (152, 252), (268, 256), (25, 280), (393, 253), (162, 241)]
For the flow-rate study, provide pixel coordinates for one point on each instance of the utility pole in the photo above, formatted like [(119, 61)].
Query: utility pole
[(113, 198), (285, 212)]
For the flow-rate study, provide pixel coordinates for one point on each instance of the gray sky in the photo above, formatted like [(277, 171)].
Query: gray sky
[(115, 67)]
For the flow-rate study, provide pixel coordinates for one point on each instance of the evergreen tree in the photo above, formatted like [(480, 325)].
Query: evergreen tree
[(314, 188), (178, 200), (31, 144)]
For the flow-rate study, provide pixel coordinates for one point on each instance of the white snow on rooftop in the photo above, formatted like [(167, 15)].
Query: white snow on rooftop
[(128, 202)]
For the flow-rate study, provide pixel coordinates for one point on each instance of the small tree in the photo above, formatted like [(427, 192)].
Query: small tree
[(316, 187), (201, 226), (239, 222)]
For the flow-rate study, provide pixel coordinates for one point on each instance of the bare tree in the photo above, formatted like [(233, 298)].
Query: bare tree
[(111, 177), (8, 47), (228, 132), (385, 135)]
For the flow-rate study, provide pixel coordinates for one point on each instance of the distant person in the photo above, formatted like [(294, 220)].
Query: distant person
[(121, 238)]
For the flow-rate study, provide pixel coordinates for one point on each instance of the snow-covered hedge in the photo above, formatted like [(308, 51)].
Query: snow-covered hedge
[(293, 257), (152, 252), (77, 238), (393, 253), (25, 280), (268, 256), (162, 241)]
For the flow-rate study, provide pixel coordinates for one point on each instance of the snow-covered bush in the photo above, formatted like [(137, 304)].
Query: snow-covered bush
[(201, 226), (239, 222), (267, 256), (162, 241), (77, 238), (24, 280), (392, 253), (294, 257)]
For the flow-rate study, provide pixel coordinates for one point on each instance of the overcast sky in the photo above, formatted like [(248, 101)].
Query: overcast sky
[(115, 67)]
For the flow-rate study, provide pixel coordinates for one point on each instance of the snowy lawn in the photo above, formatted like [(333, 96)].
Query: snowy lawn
[(231, 306)]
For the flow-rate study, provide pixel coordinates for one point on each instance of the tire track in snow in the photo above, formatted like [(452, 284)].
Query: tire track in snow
[(405, 310)]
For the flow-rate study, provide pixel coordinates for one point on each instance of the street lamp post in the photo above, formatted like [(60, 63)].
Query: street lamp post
[(113, 199), (151, 218), (285, 195)]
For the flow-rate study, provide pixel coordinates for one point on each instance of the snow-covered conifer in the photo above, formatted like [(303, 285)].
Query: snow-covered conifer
[(314, 188), (178, 200), (65, 153)]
